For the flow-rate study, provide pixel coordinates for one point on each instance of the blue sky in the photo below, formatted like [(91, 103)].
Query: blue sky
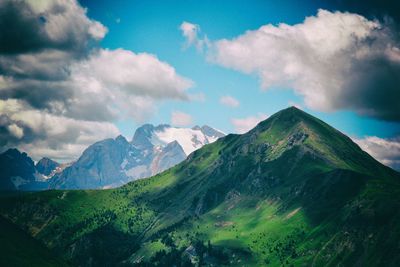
[(153, 27)]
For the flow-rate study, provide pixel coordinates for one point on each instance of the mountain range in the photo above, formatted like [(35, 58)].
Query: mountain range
[(107, 163), (293, 191)]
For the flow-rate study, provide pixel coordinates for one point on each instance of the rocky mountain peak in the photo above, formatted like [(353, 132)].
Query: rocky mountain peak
[(46, 166)]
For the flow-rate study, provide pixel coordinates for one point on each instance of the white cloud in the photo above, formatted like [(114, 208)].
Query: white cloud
[(191, 32), (243, 125), (229, 101), (71, 20), (68, 143), (60, 92), (334, 60), (125, 83), (179, 118), (53, 136), (15, 130), (387, 151), (199, 97), (108, 85), (135, 74)]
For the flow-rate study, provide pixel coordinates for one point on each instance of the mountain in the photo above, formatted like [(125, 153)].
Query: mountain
[(107, 163), (161, 135), (293, 191), (47, 166), (18, 172), (113, 162), (99, 166)]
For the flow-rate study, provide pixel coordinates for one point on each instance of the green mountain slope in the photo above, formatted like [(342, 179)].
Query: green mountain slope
[(19, 249), (291, 192)]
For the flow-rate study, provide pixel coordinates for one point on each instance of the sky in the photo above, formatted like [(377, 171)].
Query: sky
[(73, 73)]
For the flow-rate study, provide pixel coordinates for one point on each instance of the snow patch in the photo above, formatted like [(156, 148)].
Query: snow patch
[(189, 139), (124, 162), (18, 181), (212, 139)]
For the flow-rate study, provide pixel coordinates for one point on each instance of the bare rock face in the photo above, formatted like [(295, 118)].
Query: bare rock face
[(46, 166), (114, 162), (108, 163), (17, 171), (98, 167)]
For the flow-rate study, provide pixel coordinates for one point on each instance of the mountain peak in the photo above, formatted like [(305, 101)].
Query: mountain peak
[(13, 164), (196, 127), (46, 166), (293, 108), (289, 117), (292, 111), (12, 151), (121, 139), (293, 127), (189, 139)]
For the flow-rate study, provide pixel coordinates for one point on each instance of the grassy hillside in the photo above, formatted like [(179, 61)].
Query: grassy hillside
[(291, 192), (20, 249)]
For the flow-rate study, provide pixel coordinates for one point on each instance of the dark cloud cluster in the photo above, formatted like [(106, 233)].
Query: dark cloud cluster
[(39, 42), (374, 89), (20, 29), (380, 9), (38, 95), (383, 90), (29, 27)]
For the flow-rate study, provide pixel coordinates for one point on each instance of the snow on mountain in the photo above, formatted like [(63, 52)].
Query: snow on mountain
[(18, 172), (110, 162), (114, 162), (189, 139)]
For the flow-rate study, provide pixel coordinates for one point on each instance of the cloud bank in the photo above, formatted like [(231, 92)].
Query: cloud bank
[(60, 92), (243, 125), (31, 26), (335, 60), (387, 151)]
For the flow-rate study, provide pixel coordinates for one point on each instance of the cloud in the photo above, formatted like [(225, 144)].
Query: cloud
[(243, 125), (387, 151), (42, 134), (229, 101), (105, 85), (135, 74), (179, 118), (334, 60), (191, 32), (199, 97), (60, 92), (370, 8), (28, 26), (15, 130)]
